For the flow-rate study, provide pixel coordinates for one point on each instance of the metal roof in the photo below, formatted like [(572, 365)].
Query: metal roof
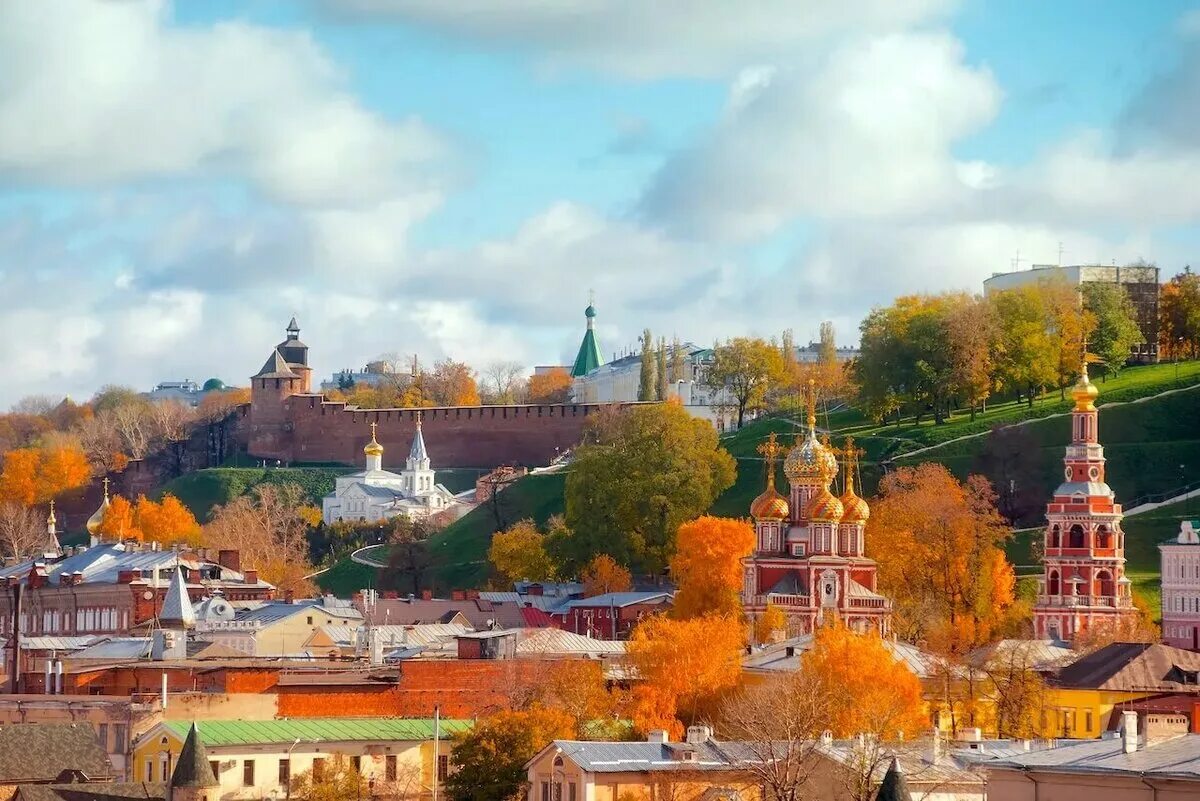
[(103, 564), (49, 643), (391, 636), (1131, 666), (116, 648), (618, 757), (619, 599), (1179, 756), (775, 657), (556, 641), (216, 733)]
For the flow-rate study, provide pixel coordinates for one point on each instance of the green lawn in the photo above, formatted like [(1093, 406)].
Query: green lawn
[(347, 577)]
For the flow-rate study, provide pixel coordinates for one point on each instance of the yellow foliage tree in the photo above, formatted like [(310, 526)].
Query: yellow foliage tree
[(603, 575), (553, 386), (119, 523), (707, 566), (18, 478), (867, 689), (168, 521), (685, 665), (770, 624), (520, 553), (32, 476)]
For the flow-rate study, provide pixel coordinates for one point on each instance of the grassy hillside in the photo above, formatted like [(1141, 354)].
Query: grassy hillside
[(1145, 443)]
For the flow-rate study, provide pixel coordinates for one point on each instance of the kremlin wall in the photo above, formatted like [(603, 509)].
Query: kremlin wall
[(287, 421)]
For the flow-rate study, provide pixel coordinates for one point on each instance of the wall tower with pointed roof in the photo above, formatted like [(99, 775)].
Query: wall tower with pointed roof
[(1083, 582), (588, 358), (193, 779)]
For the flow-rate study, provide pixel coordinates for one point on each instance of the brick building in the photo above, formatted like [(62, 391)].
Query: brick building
[(610, 616)]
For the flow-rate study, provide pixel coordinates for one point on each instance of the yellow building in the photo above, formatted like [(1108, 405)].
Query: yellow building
[(273, 629), (267, 759)]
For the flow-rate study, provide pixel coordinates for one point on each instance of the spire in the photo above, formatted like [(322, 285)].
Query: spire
[(418, 457), (177, 610), (589, 357), (193, 768), (893, 787), (275, 367), (293, 329), (1084, 391), (51, 522), (812, 407)]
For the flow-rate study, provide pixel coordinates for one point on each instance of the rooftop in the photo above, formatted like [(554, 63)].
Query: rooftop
[(217, 733)]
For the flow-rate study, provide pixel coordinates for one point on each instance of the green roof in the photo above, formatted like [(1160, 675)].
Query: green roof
[(334, 730), (589, 355)]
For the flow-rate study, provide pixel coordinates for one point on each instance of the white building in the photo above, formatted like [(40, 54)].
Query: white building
[(1181, 587), (376, 494)]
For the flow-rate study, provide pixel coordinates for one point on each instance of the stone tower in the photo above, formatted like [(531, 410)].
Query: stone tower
[(193, 779), (1083, 582), (284, 374)]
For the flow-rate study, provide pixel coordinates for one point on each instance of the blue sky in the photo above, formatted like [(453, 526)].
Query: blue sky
[(407, 176)]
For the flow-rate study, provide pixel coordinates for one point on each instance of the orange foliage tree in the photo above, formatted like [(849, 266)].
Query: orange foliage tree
[(552, 386), (603, 575), (120, 522), (685, 665), (18, 478), (35, 475), (167, 521), (938, 544), (868, 691), (707, 566)]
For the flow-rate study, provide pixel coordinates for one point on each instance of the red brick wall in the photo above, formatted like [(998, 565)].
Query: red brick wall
[(316, 430)]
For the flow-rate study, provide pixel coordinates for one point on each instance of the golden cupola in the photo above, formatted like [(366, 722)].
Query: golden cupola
[(373, 448), (97, 519), (854, 508), (826, 508), (770, 505), (810, 463), (1085, 392)]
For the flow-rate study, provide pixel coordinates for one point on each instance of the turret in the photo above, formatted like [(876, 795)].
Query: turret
[(589, 357), (374, 452), (193, 779)]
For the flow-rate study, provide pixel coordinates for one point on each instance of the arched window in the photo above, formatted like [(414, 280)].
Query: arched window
[(1076, 537), (1052, 586), (1104, 537), (1054, 534), (1105, 585)]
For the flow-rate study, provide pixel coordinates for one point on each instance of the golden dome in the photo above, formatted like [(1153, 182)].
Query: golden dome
[(97, 518), (1085, 393), (810, 462), (826, 508), (854, 508), (373, 448)]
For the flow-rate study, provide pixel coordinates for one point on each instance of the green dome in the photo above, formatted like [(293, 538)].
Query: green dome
[(590, 311), (213, 384)]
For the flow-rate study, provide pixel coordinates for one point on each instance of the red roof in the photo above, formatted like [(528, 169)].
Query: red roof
[(535, 618)]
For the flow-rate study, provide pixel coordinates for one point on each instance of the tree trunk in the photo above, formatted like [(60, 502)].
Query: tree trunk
[(1030, 396), (972, 412)]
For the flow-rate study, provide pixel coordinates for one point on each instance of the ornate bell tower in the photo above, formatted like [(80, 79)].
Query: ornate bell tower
[(1083, 583)]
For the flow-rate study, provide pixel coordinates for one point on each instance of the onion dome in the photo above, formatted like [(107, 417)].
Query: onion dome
[(810, 462), (97, 519), (373, 448), (770, 505), (1085, 392), (854, 508), (826, 508)]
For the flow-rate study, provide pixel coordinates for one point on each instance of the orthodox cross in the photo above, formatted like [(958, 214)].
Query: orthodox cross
[(850, 456), (373, 431), (105, 488), (771, 450), (812, 404)]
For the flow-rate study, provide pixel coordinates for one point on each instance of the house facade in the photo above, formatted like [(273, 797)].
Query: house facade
[(1180, 565)]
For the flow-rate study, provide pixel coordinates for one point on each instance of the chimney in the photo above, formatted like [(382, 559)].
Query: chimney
[(827, 737), (250, 576), (1129, 731), (458, 595), (37, 577), (426, 595), (657, 736), (973, 735), (230, 559), (125, 576), (289, 596), (936, 745), (698, 735), (789, 651)]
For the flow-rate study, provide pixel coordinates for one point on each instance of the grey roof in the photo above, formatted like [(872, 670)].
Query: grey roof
[(92, 791), (417, 452), (617, 757), (547, 642), (546, 603), (58, 643), (41, 752), (792, 583), (1135, 666), (893, 787), (479, 613), (193, 768), (104, 563), (276, 366), (177, 606), (785, 656), (620, 599), (116, 648), (1176, 757), (1038, 654)]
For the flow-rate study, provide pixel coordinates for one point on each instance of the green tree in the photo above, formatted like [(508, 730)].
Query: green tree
[(746, 368), (678, 368), (1116, 330), (490, 759), (1027, 354), (648, 381), (641, 474), (664, 378), (828, 353), (520, 553)]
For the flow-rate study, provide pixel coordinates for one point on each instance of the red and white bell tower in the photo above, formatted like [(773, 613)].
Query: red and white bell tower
[(1084, 583)]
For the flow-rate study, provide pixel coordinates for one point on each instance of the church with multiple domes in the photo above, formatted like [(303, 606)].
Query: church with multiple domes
[(809, 558)]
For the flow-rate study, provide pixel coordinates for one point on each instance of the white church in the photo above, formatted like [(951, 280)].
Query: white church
[(376, 494)]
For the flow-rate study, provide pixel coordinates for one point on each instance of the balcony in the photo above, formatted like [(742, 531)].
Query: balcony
[(868, 603), (1072, 601), (784, 600)]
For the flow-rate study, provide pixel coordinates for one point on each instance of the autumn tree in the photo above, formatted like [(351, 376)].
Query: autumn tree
[(779, 723), (168, 521), (1116, 329), (552, 386), (938, 544), (409, 559), (648, 378), (35, 475), (1070, 324), (867, 690), (686, 667), (1016, 689), (1136, 627), (745, 368), (1027, 352), (641, 473), (18, 477), (1179, 316), (22, 529), (266, 526), (770, 624), (119, 523), (520, 553), (972, 332), (452, 384), (707, 567), (505, 383), (578, 687), (678, 361), (603, 575), (490, 759)]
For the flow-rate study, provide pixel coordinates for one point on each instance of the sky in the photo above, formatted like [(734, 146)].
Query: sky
[(452, 179)]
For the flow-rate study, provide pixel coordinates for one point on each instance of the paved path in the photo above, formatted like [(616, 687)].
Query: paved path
[(363, 558)]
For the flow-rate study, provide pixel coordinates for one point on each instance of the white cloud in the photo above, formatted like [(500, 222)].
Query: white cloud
[(645, 39), (869, 134), (94, 93)]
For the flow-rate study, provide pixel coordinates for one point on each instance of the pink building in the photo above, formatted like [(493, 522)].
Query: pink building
[(1181, 587), (1084, 582), (809, 556)]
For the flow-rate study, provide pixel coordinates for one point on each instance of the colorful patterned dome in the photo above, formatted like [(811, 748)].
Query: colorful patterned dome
[(809, 462), (854, 508), (826, 508), (1085, 392), (770, 506)]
